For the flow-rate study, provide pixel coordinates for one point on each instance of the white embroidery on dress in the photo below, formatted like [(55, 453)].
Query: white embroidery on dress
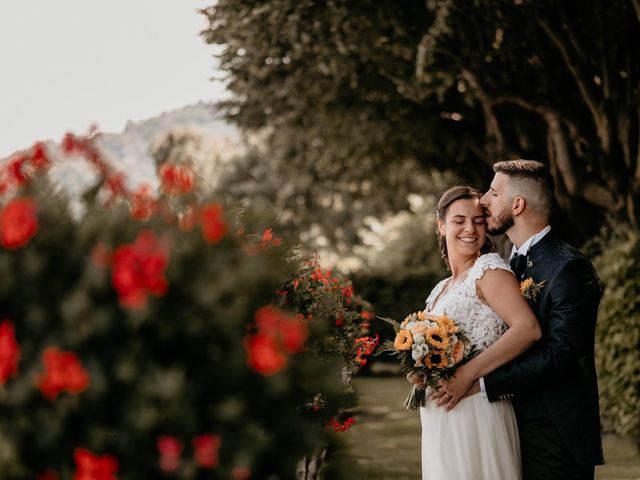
[(481, 323)]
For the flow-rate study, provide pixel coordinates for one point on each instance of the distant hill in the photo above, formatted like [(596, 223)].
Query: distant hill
[(128, 151)]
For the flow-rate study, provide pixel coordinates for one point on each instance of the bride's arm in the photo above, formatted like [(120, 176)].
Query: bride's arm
[(500, 290)]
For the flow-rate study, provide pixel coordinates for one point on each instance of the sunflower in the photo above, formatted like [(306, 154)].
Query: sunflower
[(436, 359), (446, 323), (403, 340), (438, 337)]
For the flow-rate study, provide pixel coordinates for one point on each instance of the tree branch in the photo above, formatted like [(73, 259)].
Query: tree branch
[(599, 117), (491, 121)]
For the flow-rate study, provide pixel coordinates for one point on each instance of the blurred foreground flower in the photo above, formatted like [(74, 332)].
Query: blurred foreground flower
[(62, 371), (9, 352), (94, 467), (18, 222), (138, 270)]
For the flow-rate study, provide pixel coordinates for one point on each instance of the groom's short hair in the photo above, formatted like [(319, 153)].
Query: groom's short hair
[(530, 180)]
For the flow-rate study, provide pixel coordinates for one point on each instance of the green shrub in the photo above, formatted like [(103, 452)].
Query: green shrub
[(618, 331), (172, 366)]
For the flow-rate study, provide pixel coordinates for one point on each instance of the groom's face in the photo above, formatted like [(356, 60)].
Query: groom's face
[(497, 201)]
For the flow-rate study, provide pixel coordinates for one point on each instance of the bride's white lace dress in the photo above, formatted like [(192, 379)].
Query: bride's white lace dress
[(477, 439)]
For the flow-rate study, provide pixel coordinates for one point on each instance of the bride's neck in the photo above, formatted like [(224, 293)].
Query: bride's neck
[(459, 266)]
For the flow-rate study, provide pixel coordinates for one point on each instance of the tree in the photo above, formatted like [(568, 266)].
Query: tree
[(451, 84)]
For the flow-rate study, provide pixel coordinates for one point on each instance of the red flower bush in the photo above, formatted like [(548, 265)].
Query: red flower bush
[(9, 352), (138, 270), (176, 179), (206, 450), (94, 467), (18, 223), (213, 224), (170, 449), (62, 371)]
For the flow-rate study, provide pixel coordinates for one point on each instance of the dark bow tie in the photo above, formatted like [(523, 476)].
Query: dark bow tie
[(518, 265)]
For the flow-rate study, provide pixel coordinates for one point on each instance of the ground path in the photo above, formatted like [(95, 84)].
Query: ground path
[(385, 441)]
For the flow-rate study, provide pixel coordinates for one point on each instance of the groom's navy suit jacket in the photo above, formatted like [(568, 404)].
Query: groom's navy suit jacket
[(556, 378)]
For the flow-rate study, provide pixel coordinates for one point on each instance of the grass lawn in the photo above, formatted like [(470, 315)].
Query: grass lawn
[(385, 441)]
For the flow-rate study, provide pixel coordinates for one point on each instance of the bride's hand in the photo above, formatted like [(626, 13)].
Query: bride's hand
[(417, 380), (454, 389)]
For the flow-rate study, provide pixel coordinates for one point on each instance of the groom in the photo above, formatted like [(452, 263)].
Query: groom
[(553, 385)]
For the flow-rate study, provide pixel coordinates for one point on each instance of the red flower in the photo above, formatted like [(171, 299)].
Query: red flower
[(341, 427), (115, 185), (176, 179), (9, 351), (289, 332), (18, 222), (170, 450), (267, 236), (62, 371), (367, 315), (143, 205), (213, 225), (264, 354), (94, 467), (39, 158), (364, 347), (48, 474), (319, 276), (138, 270), (15, 169), (339, 320), (206, 446)]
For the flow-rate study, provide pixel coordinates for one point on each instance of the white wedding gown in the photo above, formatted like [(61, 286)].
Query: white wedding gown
[(477, 439)]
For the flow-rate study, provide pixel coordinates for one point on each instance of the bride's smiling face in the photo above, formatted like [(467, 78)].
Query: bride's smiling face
[(464, 227)]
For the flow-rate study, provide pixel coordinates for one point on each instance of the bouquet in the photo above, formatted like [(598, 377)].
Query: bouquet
[(429, 345)]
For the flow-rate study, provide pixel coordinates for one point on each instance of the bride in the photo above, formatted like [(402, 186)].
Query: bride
[(477, 439)]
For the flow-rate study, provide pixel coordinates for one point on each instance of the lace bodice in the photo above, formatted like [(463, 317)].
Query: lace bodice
[(481, 323)]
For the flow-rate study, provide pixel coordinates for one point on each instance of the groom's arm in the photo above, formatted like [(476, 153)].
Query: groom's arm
[(568, 335)]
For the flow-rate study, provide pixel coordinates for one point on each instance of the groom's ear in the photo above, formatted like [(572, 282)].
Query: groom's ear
[(517, 205)]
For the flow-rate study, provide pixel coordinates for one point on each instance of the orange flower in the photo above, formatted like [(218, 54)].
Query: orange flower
[(444, 322), (435, 359), (457, 351), (9, 351), (403, 340), (63, 371), (437, 336), (18, 223)]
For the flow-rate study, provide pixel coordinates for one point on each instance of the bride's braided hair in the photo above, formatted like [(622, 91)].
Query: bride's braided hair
[(447, 198)]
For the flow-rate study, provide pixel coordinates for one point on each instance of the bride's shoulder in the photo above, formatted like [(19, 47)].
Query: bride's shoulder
[(488, 261)]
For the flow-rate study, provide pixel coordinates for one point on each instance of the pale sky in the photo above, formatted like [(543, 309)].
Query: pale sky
[(67, 64)]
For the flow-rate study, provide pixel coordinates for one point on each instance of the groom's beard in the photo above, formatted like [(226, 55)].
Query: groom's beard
[(502, 222)]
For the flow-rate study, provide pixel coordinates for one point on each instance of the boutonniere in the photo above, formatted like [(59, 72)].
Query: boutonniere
[(531, 290)]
